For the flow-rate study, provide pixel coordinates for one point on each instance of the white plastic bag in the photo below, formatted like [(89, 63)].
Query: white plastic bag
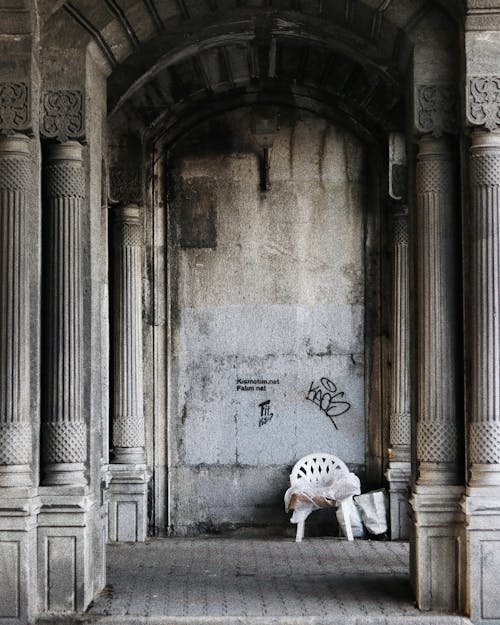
[(314, 496), (373, 507), (358, 531)]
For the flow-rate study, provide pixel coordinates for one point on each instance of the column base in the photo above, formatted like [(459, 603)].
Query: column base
[(15, 476), (482, 530), (64, 474), (128, 502), (437, 549), (129, 455), (438, 474), (18, 563), (66, 550), (482, 475), (398, 478)]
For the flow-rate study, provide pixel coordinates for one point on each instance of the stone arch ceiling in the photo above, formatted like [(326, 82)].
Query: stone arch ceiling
[(166, 55)]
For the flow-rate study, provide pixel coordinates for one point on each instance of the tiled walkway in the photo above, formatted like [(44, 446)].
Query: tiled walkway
[(219, 580)]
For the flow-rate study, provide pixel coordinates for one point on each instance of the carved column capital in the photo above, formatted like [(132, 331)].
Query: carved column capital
[(63, 115), (400, 227), (125, 184), (127, 221), (436, 109), (483, 101), (15, 107)]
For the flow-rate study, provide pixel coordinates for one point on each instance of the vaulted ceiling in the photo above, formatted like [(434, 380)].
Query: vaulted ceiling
[(166, 55)]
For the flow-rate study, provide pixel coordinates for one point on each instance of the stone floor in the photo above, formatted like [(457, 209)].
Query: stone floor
[(219, 581)]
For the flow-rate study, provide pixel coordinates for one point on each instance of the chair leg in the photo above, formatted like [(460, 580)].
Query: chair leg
[(346, 512), (300, 531)]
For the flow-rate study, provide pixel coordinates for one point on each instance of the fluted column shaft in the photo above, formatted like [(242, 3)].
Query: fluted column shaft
[(438, 307), (128, 418), (484, 435), (64, 427), (15, 423), (400, 425)]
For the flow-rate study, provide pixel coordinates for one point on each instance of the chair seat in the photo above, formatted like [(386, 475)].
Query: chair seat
[(318, 500)]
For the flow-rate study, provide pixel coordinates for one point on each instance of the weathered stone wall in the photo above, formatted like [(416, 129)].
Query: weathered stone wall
[(267, 305)]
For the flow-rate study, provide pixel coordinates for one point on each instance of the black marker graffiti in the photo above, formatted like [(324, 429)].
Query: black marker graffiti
[(328, 398), (265, 413)]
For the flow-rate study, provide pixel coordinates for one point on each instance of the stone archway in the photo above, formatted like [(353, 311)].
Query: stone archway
[(137, 71)]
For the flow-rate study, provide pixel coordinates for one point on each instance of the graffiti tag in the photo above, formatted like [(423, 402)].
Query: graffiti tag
[(265, 413), (328, 398)]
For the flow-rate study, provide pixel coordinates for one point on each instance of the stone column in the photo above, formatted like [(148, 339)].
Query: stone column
[(15, 419), (436, 495), (19, 504), (483, 488), (484, 432), (64, 429), (70, 537), (398, 473), (128, 417), (128, 490), (438, 310)]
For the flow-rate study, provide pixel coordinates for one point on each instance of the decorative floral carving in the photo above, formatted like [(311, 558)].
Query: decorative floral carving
[(125, 184), (483, 101), (436, 110), (15, 110), (63, 115)]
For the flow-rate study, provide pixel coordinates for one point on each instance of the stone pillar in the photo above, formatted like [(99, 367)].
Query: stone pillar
[(19, 504), (437, 518), (483, 488), (398, 473), (64, 429), (484, 429), (438, 309), (128, 417), (65, 540), (16, 444), (128, 489)]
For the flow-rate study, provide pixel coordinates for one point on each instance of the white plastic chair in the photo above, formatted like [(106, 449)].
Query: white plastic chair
[(319, 470)]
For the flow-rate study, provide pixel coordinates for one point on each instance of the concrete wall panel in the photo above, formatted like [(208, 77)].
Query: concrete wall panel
[(267, 296)]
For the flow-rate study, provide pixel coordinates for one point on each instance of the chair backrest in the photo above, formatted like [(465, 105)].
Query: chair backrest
[(317, 469)]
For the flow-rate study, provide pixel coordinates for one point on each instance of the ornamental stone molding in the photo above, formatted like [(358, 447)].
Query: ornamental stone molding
[(63, 115), (125, 184), (483, 101), (436, 109), (15, 108)]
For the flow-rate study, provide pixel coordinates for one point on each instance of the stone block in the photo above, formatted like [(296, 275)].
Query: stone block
[(18, 560), (65, 553), (128, 503), (438, 548), (398, 476), (483, 554)]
